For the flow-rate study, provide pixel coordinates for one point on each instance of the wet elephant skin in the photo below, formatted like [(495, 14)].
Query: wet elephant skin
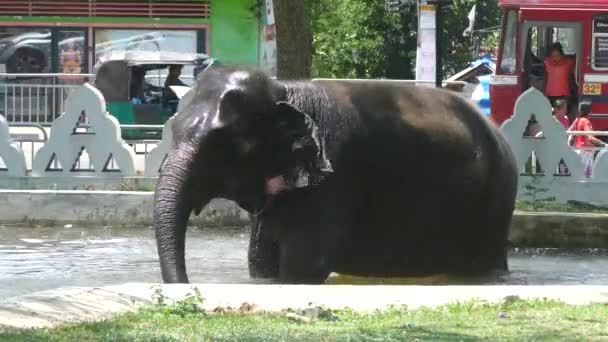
[(370, 178)]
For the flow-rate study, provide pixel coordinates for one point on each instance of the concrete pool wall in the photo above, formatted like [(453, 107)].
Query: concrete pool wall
[(101, 208), (134, 209)]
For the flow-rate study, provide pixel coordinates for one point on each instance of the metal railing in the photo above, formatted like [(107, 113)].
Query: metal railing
[(41, 98), (36, 98), (596, 133), (412, 82), (30, 145), (533, 161), (575, 133)]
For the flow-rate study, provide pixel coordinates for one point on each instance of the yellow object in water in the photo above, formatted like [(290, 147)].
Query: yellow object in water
[(437, 279)]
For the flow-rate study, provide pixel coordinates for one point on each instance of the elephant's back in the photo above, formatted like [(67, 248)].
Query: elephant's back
[(384, 118), (405, 107)]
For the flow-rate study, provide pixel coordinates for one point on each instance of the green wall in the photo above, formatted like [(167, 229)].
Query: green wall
[(234, 28), (234, 31)]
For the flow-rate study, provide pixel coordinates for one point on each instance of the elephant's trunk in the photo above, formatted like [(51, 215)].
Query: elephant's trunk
[(172, 208)]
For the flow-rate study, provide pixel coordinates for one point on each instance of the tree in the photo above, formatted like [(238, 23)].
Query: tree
[(294, 39), (376, 39), (362, 39), (458, 49)]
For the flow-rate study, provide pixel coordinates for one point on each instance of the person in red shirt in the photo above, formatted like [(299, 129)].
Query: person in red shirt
[(558, 70), (583, 143)]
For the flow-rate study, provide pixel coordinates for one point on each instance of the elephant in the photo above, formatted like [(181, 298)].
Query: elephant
[(361, 177)]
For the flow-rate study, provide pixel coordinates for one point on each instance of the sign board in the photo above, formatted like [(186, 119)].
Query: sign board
[(269, 13), (600, 25), (426, 51), (427, 17), (268, 41), (600, 51), (600, 42)]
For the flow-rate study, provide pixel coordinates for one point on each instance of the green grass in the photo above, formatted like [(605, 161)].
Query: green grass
[(514, 320), (571, 207)]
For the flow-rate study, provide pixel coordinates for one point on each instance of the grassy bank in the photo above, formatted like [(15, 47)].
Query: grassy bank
[(513, 320), (571, 207)]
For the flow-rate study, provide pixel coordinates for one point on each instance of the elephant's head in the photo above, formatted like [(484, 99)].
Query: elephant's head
[(238, 139)]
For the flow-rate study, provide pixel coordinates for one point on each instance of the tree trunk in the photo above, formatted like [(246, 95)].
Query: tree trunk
[(294, 39)]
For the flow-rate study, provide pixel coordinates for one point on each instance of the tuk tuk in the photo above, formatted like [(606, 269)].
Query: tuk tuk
[(139, 87), (529, 29)]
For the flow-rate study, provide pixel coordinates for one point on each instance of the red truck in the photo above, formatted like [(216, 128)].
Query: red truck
[(529, 28)]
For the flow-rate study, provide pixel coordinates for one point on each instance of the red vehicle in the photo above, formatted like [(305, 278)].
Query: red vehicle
[(529, 28)]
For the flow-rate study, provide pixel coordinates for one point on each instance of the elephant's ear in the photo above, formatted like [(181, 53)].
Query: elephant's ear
[(309, 163)]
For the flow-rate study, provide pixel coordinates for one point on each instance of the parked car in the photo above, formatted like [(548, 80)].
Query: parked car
[(30, 52), (26, 53)]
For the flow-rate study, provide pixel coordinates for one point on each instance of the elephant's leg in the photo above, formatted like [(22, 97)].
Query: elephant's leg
[(263, 255)]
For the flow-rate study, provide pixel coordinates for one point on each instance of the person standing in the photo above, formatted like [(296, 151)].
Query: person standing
[(558, 70), (583, 143), (170, 99)]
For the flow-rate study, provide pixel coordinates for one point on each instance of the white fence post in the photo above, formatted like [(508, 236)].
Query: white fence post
[(600, 166), (102, 140), (11, 153), (548, 149)]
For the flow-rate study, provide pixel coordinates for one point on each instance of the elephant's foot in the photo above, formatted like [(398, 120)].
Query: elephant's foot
[(302, 274), (302, 268)]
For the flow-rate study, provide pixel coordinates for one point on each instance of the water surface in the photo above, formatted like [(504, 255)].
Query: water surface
[(35, 259)]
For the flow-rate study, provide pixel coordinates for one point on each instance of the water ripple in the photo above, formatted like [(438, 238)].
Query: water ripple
[(34, 259)]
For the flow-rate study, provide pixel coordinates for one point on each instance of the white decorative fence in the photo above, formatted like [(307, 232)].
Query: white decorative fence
[(548, 151), (37, 98), (97, 151), (12, 158), (75, 150)]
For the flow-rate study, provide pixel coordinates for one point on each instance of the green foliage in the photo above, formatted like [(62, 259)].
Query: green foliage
[(534, 191), (512, 319), (357, 38), (369, 39), (550, 205), (458, 49), (190, 305)]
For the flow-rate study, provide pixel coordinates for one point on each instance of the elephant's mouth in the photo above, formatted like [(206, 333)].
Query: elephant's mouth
[(299, 176), (258, 207), (274, 186)]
